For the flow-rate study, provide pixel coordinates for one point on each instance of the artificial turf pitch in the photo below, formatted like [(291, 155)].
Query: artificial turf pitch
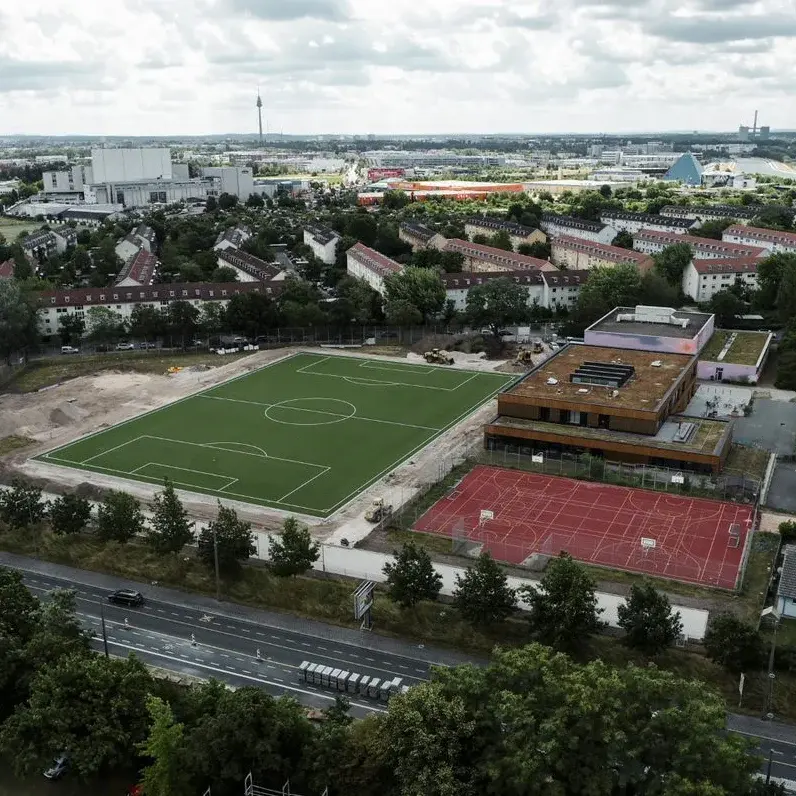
[(307, 433)]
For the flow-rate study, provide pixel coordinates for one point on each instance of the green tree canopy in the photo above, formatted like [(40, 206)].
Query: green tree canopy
[(170, 529), (234, 539), (21, 506), (18, 329), (563, 608), (733, 644), (647, 618), (293, 552), (69, 514), (148, 323), (119, 518), (421, 288), (497, 303), (725, 304), (672, 262), (623, 239), (411, 577), (104, 325), (70, 328), (483, 595)]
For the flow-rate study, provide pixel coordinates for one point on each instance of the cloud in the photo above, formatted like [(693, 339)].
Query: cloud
[(284, 10), (30, 75), (708, 29)]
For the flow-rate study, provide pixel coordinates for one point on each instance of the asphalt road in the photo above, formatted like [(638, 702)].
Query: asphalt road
[(227, 637), (193, 636)]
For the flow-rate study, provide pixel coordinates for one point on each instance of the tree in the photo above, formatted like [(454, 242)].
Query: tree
[(147, 322), (69, 514), (623, 239), (412, 577), (403, 313), (535, 723), (773, 216), (607, 288), (726, 305), (18, 326), (563, 608), (250, 314), (293, 552), (648, 620), (93, 706), (22, 505), (211, 205), (70, 328), (233, 538), (497, 303), (605, 191), (165, 775), (786, 296), (183, 320), (170, 529), (672, 262), (420, 287), (104, 325), (733, 644), (482, 595), (770, 272), (119, 518), (255, 200), (211, 319), (224, 274), (227, 201), (20, 608), (712, 229), (502, 240)]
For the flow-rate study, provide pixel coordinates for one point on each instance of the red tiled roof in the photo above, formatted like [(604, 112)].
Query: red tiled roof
[(7, 269), (732, 265), (250, 264), (470, 279), (565, 278), (491, 254), (101, 296), (701, 244), (760, 233), (613, 253), (374, 260), (140, 268)]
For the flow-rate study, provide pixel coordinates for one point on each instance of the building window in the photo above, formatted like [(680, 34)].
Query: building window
[(102, 297), (544, 413)]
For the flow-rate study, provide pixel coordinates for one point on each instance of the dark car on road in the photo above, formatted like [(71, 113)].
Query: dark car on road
[(126, 597)]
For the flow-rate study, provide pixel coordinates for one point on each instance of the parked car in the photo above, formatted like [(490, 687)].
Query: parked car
[(125, 346), (147, 345), (126, 597), (59, 767)]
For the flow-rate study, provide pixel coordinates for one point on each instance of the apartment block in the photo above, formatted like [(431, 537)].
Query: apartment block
[(583, 255)]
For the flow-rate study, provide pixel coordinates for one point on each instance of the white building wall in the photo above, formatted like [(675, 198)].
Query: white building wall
[(234, 180), (691, 282), (771, 246), (126, 165), (358, 270), (458, 295)]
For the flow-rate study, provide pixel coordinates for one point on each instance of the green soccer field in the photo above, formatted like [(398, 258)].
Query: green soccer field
[(307, 433)]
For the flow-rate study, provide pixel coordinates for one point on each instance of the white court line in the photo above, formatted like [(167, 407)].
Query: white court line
[(321, 412), (407, 368), (301, 486), (317, 362), (189, 470), (110, 450)]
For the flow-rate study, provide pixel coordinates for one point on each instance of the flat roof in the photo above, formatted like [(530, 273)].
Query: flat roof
[(746, 348), (609, 323), (707, 440), (644, 390)]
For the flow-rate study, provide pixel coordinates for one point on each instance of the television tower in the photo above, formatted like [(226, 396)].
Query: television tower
[(260, 115)]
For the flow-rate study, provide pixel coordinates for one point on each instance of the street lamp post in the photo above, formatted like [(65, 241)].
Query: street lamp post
[(771, 611)]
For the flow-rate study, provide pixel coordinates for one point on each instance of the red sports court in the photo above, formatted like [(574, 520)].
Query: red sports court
[(515, 515)]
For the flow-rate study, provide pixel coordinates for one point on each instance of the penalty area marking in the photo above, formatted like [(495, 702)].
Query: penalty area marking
[(227, 478)]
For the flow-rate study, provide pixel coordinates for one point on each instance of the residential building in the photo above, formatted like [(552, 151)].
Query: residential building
[(323, 243), (458, 286), (655, 329), (583, 255), (232, 238), (365, 263), (40, 245), (562, 288), (736, 356), (234, 180), (139, 270), (55, 304), (687, 170), (518, 234), (248, 267), (619, 405), (65, 238), (419, 236), (773, 240), (595, 231), (652, 242), (635, 222), (143, 237), (7, 269), (703, 278), (702, 213), (786, 588), (478, 257)]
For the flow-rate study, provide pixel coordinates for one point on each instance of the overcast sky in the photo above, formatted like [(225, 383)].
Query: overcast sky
[(167, 67)]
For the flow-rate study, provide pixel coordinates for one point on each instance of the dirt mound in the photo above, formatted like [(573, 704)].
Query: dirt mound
[(67, 413)]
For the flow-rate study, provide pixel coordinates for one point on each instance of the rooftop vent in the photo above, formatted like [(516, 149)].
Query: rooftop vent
[(644, 314), (684, 432), (551, 381), (656, 364), (608, 374)]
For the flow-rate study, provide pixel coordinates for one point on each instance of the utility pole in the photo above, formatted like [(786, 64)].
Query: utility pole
[(104, 634), (771, 655), (215, 557)]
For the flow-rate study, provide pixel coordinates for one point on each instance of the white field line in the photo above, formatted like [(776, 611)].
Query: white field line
[(399, 367), (189, 470), (301, 486), (321, 412), (110, 450), (317, 362)]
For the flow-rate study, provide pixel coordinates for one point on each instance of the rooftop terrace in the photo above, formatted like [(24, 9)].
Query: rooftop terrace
[(645, 389), (745, 349), (611, 323)]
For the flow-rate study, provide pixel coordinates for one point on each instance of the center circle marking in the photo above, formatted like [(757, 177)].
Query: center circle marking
[(329, 409)]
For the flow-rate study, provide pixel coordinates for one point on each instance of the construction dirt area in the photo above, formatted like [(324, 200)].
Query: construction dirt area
[(62, 413)]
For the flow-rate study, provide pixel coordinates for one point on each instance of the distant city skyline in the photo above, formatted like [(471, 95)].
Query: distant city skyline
[(155, 68)]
